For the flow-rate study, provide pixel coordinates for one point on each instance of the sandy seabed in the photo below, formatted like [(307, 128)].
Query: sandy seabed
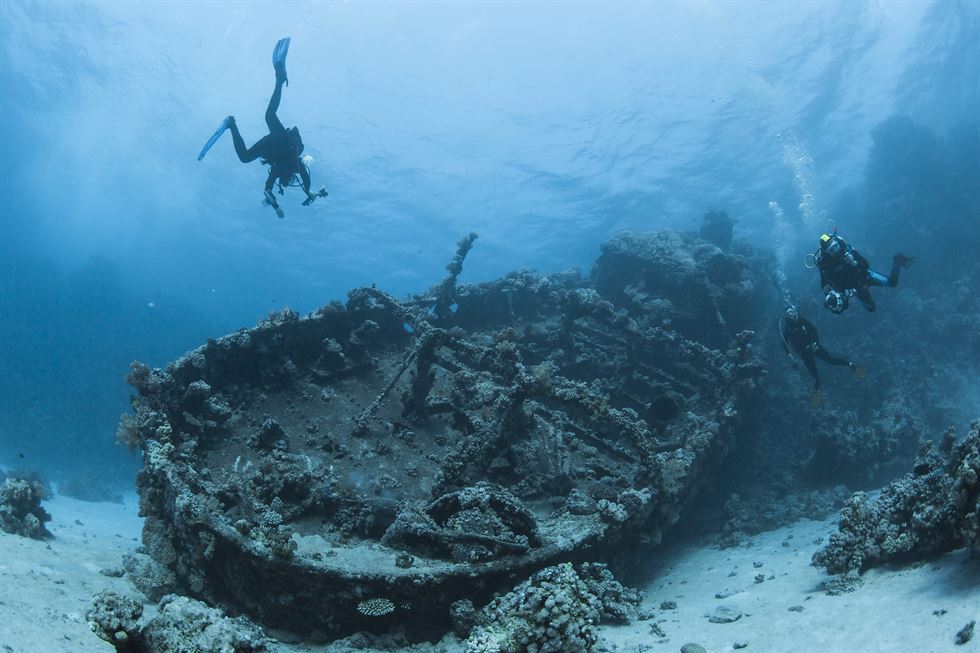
[(47, 586)]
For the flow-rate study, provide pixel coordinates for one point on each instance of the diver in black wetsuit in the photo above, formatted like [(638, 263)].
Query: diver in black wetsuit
[(844, 272), (799, 334), (280, 149)]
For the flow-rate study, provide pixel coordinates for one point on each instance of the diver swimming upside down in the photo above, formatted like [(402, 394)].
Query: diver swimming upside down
[(280, 149)]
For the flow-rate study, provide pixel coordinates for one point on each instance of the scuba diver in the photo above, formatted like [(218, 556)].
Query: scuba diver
[(799, 334), (280, 149), (845, 273)]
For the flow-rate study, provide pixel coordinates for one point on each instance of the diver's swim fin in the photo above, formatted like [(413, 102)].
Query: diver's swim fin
[(903, 260), (270, 199), (279, 59), (225, 124)]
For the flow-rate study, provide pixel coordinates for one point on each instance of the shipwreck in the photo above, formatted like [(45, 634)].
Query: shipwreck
[(366, 466)]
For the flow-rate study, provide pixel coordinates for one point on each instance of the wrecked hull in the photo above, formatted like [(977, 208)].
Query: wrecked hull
[(364, 467)]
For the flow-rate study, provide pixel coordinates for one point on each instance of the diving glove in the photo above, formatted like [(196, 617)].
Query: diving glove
[(312, 198), (817, 399), (859, 371)]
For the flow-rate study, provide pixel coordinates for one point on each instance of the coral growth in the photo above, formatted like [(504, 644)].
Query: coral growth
[(552, 612), (619, 603), (182, 624), (932, 509), (115, 619), (555, 611), (150, 577), (716, 228), (20, 508)]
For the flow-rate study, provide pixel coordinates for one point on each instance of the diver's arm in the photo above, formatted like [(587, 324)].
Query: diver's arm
[(304, 173), (858, 259), (824, 282), (862, 262), (783, 337), (305, 176)]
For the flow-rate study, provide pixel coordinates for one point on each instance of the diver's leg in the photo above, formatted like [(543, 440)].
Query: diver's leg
[(864, 295), (236, 137), (825, 355), (899, 261), (246, 154), (876, 278), (271, 119), (811, 367)]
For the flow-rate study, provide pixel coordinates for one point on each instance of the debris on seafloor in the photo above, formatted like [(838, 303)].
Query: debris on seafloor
[(965, 634), (373, 464), (725, 614)]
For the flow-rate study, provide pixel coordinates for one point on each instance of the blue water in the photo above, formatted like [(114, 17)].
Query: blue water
[(544, 127)]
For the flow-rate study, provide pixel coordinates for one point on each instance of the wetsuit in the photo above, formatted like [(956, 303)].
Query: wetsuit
[(280, 148), (849, 270), (801, 335)]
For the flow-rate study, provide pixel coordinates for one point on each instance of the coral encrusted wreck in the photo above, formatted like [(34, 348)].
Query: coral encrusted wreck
[(367, 466)]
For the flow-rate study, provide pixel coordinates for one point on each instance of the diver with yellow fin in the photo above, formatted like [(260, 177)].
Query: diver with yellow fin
[(280, 149), (800, 335), (844, 273)]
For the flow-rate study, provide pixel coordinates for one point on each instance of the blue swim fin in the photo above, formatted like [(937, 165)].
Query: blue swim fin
[(225, 124), (279, 59)]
